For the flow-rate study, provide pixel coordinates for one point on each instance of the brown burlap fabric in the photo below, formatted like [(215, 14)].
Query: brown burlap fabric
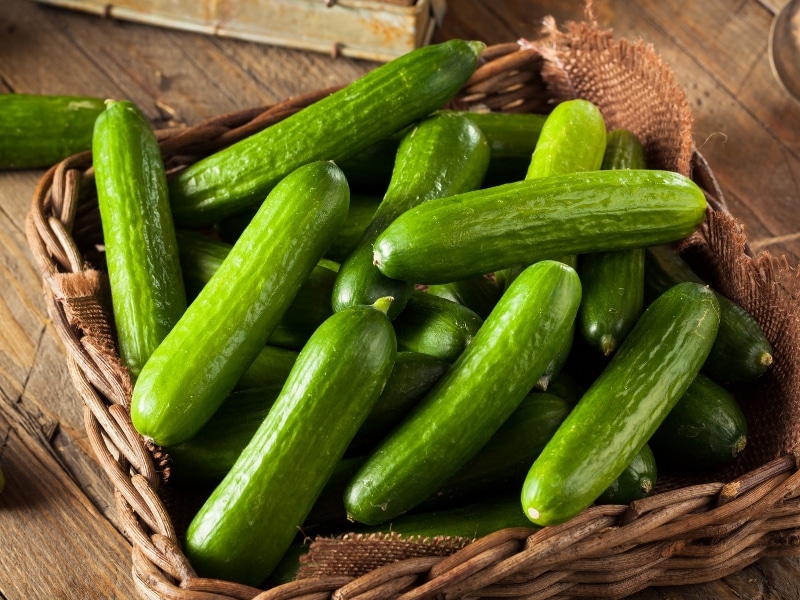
[(687, 534)]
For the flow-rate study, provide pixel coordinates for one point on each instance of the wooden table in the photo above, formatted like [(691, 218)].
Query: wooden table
[(58, 535)]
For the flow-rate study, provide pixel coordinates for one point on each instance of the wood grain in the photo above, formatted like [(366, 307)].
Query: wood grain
[(58, 529)]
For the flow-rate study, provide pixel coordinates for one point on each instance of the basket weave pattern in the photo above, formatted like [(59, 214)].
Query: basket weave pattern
[(690, 534)]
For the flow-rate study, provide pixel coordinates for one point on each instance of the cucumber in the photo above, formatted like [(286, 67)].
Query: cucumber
[(741, 352), (200, 361), (435, 326), (478, 232), (270, 366), (39, 131), (573, 139), (442, 155), (558, 361), (340, 125), (144, 272), (613, 282), (637, 481), (479, 294), (625, 405), (211, 452), (413, 376), (706, 430), (473, 399), (200, 258), (505, 459), (251, 518)]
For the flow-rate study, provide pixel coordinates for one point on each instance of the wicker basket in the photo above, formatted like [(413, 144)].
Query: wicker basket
[(688, 534)]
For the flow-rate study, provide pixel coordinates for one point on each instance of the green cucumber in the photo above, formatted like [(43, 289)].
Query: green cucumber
[(572, 140), (340, 125), (200, 258), (211, 452), (473, 399), (613, 282), (39, 131), (440, 156), (558, 361), (435, 326), (505, 459), (479, 294), (251, 518), (637, 481), (624, 406), (270, 366), (478, 232), (741, 352), (706, 430), (144, 272), (200, 361)]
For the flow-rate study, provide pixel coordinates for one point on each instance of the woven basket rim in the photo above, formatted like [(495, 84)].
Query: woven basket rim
[(659, 527)]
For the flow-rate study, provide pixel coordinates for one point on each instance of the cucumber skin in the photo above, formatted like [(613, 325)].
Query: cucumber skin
[(467, 406), (637, 481), (741, 352), (198, 364), (144, 272), (435, 326), (440, 156), (478, 232), (706, 430), (645, 379), (38, 131), (340, 125), (613, 282), (251, 518), (270, 366)]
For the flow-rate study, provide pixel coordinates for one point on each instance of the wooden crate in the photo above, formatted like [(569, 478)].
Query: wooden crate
[(371, 29)]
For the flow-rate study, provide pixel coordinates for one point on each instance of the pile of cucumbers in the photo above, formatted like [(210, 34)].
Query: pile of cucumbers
[(380, 314)]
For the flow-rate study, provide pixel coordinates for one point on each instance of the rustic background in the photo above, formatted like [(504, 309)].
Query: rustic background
[(58, 535)]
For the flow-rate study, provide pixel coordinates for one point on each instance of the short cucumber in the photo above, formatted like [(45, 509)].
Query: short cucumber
[(505, 459), (251, 518), (572, 140), (706, 430), (637, 481), (340, 125), (144, 272), (39, 131), (613, 282), (200, 258), (200, 361), (625, 405), (440, 156), (211, 452), (478, 232), (436, 326), (473, 399), (741, 351), (479, 294)]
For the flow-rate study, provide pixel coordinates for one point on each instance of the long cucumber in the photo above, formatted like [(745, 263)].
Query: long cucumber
[(144, 272), (251, 518), (441, 156), (349, 120), (478, 232), (201, 360), (625, 405), (473, 399)]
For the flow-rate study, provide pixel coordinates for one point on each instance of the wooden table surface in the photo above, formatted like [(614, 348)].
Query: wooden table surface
[(58, 534)]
